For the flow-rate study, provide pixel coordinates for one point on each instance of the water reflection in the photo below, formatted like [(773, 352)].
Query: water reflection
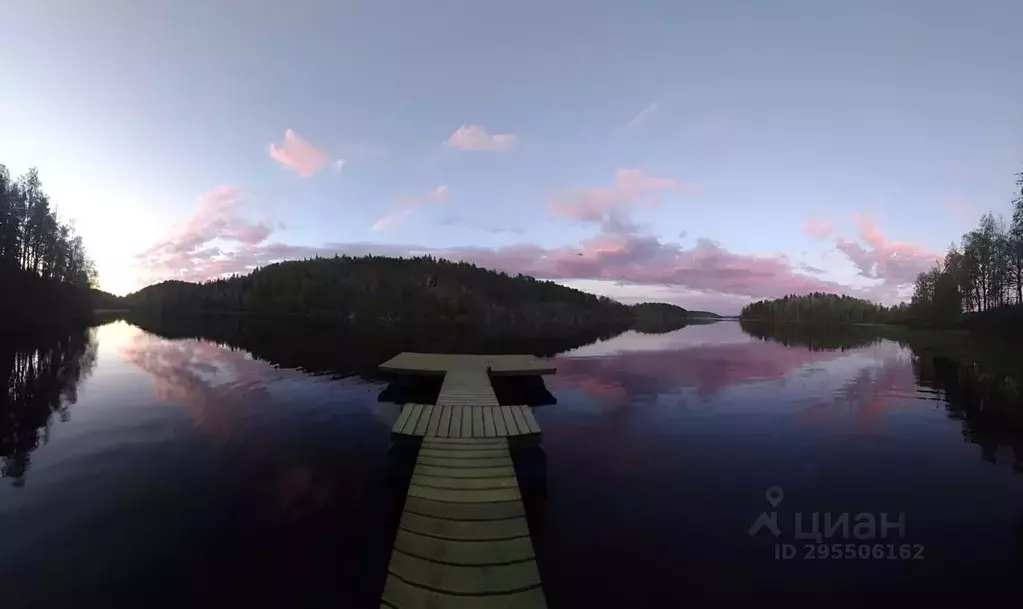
[(343, 350), (988, 404), (252, 473), (40, 382), (214, 382), (985, 397), (634, 369)]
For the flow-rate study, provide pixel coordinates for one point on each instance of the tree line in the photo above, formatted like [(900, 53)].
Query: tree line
[(981, 277), (978, 283), (386, 290), (44, 267), (821, 307)]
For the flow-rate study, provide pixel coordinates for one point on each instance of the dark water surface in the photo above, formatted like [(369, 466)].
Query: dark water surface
[(143, 471)]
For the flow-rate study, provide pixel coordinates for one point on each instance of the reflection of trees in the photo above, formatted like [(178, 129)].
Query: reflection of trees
[(989, 404), (976, 383), (38, 382), (820, 337), (344, 350)]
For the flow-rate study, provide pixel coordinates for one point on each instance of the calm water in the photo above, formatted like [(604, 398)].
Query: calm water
[(143, 471)]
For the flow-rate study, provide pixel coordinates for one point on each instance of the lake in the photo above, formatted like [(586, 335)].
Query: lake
[(157, 468)]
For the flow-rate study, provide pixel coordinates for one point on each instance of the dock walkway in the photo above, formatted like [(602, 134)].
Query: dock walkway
[(463, 541)]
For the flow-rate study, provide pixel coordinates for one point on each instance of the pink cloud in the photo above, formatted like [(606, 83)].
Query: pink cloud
[(189, 254), (300, 156), (437, 194), (392, 219), (696, 276), (818, 228), (612, 204), (895, 263), (641, 117), (476, 138)]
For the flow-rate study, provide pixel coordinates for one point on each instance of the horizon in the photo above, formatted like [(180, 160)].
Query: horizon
[(703, 156), (224, 278)]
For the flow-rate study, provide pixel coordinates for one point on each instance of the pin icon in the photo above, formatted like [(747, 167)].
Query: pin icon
[(774, 495)]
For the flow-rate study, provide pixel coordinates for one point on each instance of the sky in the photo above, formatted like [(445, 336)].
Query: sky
[(700, 153)]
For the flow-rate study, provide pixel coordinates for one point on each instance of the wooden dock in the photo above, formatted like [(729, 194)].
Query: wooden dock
[(463, 541), (436, 364), (437, 421)]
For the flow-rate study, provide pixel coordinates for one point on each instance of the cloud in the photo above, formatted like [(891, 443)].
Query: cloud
[(818, 228), (437, 194), (339, 164), (298, 155), (895, 263), (642, 117), (611, 205), (189, 254), (392, 219), (476, 138), (219, 241)]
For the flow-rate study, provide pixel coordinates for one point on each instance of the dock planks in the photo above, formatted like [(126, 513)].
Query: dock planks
[(463, 541), (467, 388), (469, 422)]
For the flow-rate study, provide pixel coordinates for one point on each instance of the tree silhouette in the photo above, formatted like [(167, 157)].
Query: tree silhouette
[(38, 383), (44, 268)]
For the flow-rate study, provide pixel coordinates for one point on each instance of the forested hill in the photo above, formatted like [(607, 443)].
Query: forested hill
[(818, 307), (384, 289)]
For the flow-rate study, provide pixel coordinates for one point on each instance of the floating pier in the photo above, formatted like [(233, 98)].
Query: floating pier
[(463, 541)]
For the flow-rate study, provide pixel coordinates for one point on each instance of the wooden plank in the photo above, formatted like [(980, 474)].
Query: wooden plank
[(509, 421), (463, 472), (464, 580), (443, 430), (477, 423), (456, 496), (413, 418), (456, 422), (464, 553), (464, 443), (467, 422), (431, 429), (465, 530), (464, 511), (488, 422), (464, 483), (499, 427), (424, 420), (406, 410), (465, 464), (493, 453), (459, 441), (519, 419), (402, 595), (527, 415)]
